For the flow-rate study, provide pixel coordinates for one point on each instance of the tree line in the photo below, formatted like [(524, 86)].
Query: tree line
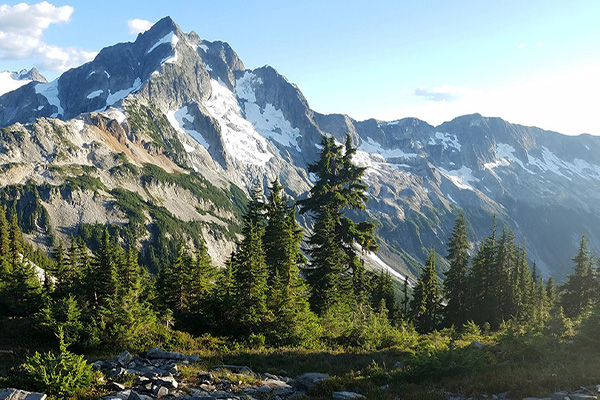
[(279, 289)]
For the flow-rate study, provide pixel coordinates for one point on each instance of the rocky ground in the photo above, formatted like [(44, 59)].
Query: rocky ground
[(158, 374)]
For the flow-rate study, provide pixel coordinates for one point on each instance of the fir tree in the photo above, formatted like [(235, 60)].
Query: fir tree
[(578, 290), (104, 274), (294, 323), (456, 282), (426, 302), (332, 244), (383, 294), (250, 273)]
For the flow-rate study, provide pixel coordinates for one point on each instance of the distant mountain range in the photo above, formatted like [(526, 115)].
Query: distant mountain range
[(189, 106)]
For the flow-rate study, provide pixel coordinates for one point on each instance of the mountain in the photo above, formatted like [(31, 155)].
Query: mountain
[(10, 80), (171, 130)]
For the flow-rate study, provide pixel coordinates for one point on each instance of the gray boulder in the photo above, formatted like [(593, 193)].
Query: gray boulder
[(156, 353), (124, 358), (310, 379), (16, 394)]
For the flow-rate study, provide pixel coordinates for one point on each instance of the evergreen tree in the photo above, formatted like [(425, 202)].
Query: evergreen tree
[(171, 283), (456, 282), (523, 293), (426, 302), (383, 295), (578, 290), (4, 233), (480, 278), (201, 280), (333, 253), (250, 273), (62, 271), (104, 274), (294, 323)]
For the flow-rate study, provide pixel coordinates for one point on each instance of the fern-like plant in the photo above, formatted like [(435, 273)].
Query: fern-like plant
[(61, 374)]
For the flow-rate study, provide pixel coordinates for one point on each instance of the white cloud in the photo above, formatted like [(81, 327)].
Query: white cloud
[(445, 93), (138, 26), (22, 35), (540, 44), (522, 45)]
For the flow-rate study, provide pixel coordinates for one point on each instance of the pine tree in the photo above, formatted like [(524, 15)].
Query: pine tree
[(294, 323), (333, 252), (62, 271), (426, 302), (383, 295), (523, 294), (104, 274), (201, 281), (4, 233), (171, 283), (578, 290), (251, 271), (480, 279), (456, 282)]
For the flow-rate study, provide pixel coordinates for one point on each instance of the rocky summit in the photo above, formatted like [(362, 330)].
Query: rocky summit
[(72, 149)]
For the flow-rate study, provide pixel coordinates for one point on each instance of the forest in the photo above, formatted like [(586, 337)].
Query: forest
[(286, 289)]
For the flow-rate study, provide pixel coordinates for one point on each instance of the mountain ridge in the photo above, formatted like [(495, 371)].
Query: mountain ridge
[(192, 104)]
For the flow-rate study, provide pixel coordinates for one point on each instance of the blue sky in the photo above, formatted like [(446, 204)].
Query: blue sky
[(530, 62)]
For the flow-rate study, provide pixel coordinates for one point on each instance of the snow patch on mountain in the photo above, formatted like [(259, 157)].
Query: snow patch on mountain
[(271, 123), (178, 119), (95, 93), (10, 81), (552, 163), (239, 136), (116, 114), (170, 37), (504, 157), (50, 92), (203, 47), (446, 140), (383, 266), (371, 146), (114, 97), (462, 177), (244, 86)]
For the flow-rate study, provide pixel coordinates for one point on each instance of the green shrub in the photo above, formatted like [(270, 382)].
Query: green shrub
[(63, 374)]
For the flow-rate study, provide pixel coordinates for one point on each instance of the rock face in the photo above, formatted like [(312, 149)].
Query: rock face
[(175, 100)]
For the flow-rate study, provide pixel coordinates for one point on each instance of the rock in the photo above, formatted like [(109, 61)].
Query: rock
[(124, 358), (399, 364), (220, 394), (123, 395), (579, 396), (347, 395), (167, 381), (160, 391), (477, 345), (201, 397), (117, 386), (236, 369), (205, 377), (16, 394), (156, 353), (116, 372), (191, 358), (97, 366), (311, 379), (137, 396), (560, 396)]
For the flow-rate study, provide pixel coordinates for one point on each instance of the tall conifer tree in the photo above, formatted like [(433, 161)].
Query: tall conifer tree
[(456, 283)]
